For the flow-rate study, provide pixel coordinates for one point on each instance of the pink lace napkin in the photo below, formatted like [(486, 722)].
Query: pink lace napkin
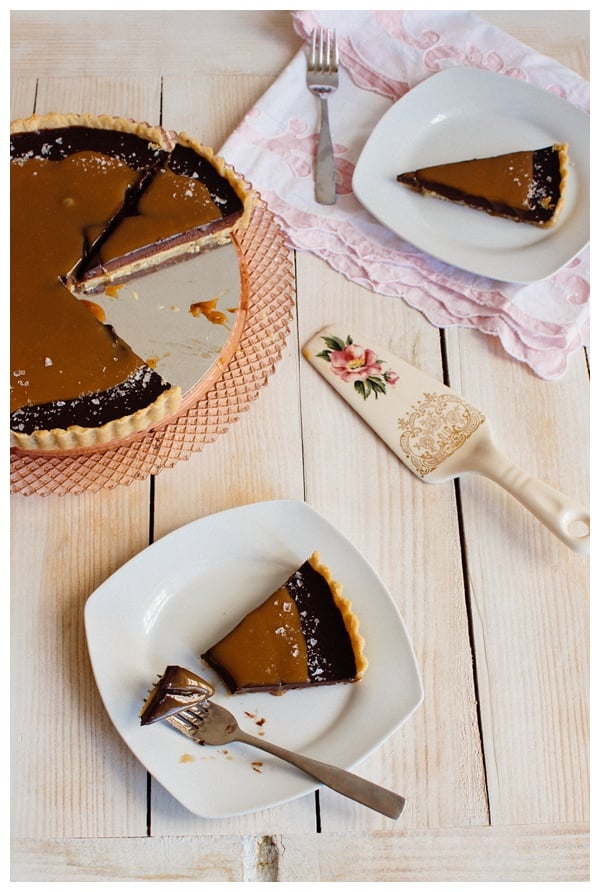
[(383, 55)]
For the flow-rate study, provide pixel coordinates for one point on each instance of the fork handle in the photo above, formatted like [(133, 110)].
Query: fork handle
[(325, 172), (350, 785)]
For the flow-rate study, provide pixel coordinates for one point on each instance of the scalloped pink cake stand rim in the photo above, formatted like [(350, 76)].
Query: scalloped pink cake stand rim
[(217, 401)]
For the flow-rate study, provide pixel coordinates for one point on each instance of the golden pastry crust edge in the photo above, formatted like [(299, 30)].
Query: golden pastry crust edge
[(351, 621), (153, 133), (77, 437)]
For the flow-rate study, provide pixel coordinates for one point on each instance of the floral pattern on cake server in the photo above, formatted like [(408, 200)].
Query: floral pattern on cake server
[(359, 366)]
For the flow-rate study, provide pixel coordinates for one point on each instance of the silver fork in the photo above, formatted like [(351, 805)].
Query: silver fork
[(322, 79), (211, 724)]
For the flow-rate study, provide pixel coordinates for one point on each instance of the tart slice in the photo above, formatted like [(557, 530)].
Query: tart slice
[(176, 689), (525, 186), (191, 203), (304, 634)]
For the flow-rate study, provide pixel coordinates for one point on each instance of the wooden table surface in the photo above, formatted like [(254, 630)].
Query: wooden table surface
[(495, 762)]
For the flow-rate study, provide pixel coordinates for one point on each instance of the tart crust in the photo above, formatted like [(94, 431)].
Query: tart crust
[(154, 134), (77, 437)]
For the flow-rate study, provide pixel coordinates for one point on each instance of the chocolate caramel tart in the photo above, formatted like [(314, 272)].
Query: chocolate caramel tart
[(76, 182), (526, 186), (304, 634), (175, 690)]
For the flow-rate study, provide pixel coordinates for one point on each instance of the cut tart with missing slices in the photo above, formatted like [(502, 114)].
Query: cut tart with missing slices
[(525, 186), (96, 200), (304, 634), (176, 689)]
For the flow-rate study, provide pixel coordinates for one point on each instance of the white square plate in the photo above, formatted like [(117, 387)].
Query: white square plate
[(463, 113), (177, 597)]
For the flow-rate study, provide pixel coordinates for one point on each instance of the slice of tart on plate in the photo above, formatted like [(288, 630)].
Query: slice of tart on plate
[(76, 180), (303, 634), (524, 186)]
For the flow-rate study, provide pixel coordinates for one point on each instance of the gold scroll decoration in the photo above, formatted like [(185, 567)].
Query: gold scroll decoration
[(435, 428)]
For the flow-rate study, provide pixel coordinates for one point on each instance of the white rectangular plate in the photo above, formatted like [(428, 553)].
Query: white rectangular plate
[(464, 113), (177, 597)]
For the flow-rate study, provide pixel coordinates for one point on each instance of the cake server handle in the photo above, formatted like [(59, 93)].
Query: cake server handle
[(568, 520)]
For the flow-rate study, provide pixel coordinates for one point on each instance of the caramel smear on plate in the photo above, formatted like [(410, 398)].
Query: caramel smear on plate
[(207, 308)]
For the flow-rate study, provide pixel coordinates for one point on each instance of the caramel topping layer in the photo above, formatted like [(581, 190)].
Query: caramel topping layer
[(53, 203), (267, 648), (171, 205), (511, 183)]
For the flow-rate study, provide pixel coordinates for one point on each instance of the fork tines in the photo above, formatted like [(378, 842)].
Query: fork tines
[(324, 55), (190, 718)]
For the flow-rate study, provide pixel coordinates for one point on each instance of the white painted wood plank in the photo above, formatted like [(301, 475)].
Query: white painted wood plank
[(249, 41), (258, 458), (22, 96), (210, 106), (213, 858), (137, 98), (529, 592), (77, 777), (408, 531), (71, 773), (475, 854), (133, 43)]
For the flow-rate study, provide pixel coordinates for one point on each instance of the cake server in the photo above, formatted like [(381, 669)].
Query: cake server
[(432, 430)]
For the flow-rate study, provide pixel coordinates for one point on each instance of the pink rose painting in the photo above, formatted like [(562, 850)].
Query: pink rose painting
[(358, 365)]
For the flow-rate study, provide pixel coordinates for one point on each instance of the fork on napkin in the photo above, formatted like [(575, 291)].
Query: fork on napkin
[(322, 79)]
